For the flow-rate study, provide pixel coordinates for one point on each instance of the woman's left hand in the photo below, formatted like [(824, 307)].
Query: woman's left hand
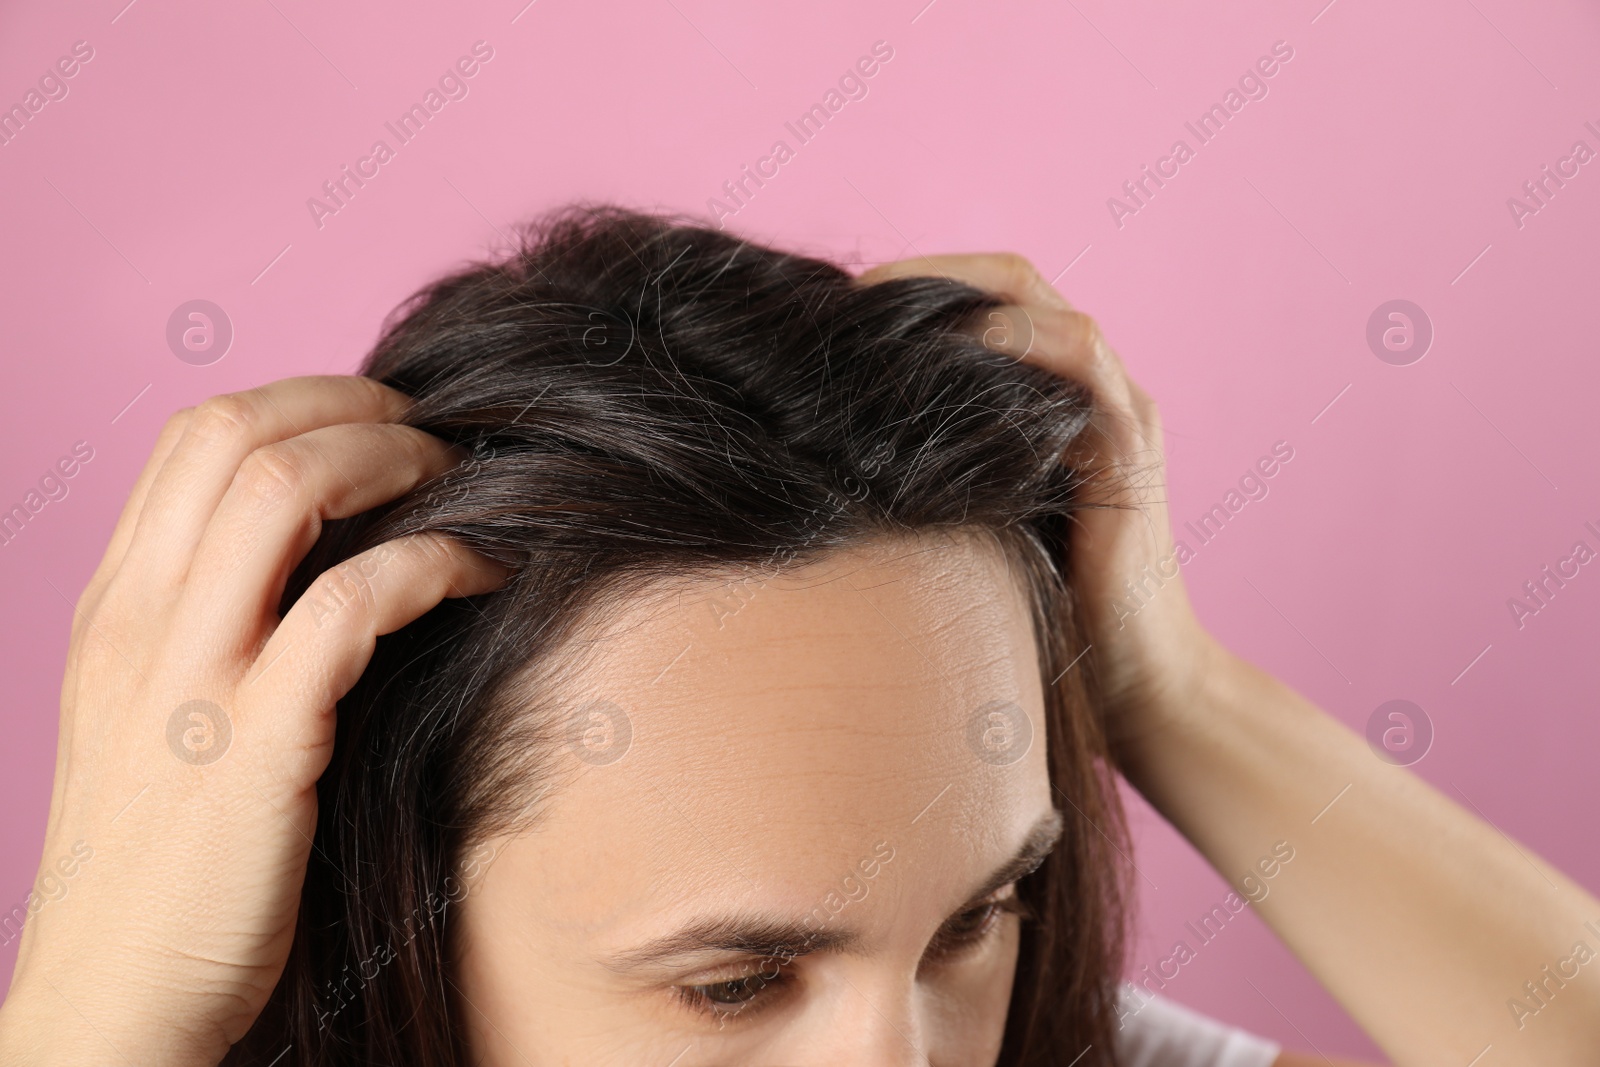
[(1148, 649)]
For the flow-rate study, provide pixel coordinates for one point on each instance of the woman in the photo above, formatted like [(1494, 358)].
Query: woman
[(755, 658)]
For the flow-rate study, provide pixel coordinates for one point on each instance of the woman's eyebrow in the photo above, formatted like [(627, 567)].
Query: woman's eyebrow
[(769, 937), (760, 936), (1036, 847)]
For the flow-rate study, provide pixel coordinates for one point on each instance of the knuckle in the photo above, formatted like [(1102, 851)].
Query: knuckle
[(382, 396), (1083, 333), (272, 474), (1141, 397), (178, 421), (1077, 331), (873, 275), (340, 587), (434, 548), (1019, 271), (1088, 329), (1027, 282), (1016, 264), (225, 418)]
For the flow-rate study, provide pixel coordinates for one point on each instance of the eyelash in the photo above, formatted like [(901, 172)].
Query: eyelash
[(700, 998), (975, 926), (960, 935)]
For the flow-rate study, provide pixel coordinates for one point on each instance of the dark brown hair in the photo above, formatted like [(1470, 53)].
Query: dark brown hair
[(643, 398)]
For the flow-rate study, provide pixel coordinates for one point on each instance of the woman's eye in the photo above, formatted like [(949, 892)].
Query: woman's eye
[(736, 992), (732, 996), (968, 929), (964, 929)]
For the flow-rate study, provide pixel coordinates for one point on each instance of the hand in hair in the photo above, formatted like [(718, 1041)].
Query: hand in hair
[(1145, 671), (195, 721), (1429, 925)]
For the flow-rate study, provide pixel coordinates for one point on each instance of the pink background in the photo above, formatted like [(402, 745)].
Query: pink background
[(1378, 167)]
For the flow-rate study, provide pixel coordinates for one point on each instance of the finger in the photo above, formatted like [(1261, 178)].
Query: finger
[(1037, 325), (326, 639), (1008, 275), (218, 436), (122, 534), (1123, 463), (1066, 343), (274, 510), (1115, 453)]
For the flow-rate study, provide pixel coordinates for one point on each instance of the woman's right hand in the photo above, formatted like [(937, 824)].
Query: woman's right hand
[(195, 722)]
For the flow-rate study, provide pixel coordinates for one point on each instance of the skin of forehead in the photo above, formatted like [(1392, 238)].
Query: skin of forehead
[(785, 728)]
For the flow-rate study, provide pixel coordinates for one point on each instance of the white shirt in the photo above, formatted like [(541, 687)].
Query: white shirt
[(1159, 1033)]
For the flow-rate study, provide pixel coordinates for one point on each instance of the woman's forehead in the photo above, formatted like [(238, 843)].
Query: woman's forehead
[(871, 659), (775, 729)]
